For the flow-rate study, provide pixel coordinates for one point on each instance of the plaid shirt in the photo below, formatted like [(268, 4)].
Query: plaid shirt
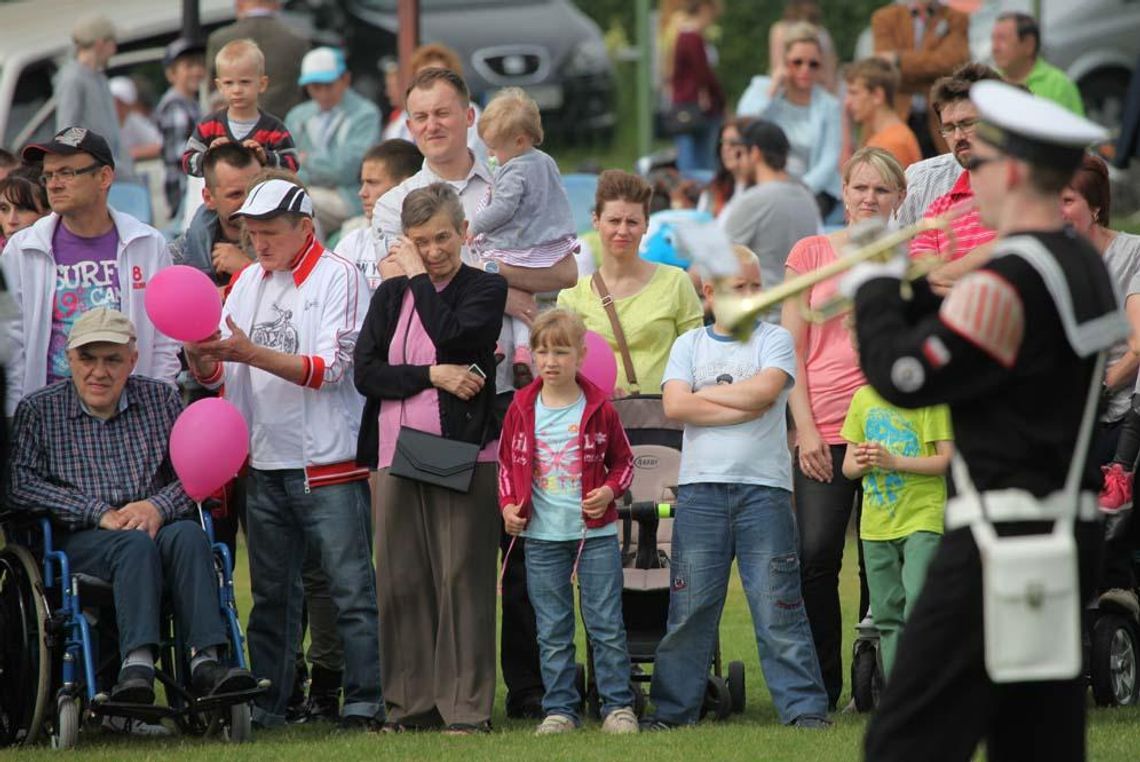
[(78, 467), (176, 116)]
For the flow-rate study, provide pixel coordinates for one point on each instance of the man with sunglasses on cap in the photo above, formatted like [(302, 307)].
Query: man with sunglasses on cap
[(1016, 350), (83, 255), (284, 355)]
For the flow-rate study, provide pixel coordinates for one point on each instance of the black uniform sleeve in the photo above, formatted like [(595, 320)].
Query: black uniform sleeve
[(918, 357)]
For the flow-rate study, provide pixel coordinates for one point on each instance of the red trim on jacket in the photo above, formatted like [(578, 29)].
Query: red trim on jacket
[(314, 371), (335, 473), (607, 459)]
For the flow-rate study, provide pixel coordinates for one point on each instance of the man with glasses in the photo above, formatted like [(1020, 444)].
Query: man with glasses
[(967, 245), (81, 256)]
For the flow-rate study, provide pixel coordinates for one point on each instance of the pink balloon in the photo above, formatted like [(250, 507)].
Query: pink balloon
[(600, 365), (183, 303), (208, 445)]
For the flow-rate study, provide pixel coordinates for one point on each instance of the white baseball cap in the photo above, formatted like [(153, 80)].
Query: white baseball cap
[(321, 66), (274, 197)]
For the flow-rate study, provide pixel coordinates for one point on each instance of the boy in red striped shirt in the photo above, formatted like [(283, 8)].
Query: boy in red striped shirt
[(241, 78)]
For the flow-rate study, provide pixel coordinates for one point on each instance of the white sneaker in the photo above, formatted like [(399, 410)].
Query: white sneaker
[(134, 727), (555, 724), (620, 722)]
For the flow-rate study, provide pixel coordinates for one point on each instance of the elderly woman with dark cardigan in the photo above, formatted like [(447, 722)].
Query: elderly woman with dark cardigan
[(436, 549)]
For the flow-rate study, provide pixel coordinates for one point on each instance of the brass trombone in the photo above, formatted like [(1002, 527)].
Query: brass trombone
[(865, 242)]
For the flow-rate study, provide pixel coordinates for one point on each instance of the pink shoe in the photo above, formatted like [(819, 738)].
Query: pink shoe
[(1117, 492)]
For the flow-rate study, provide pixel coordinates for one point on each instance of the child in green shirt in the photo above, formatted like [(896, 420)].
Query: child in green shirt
[(901, 456)]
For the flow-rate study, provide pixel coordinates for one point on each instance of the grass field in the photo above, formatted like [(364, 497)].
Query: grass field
[(1113, 735)]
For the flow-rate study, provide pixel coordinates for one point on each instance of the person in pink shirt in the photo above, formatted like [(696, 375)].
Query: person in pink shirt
[(970, 244), (827, 368)]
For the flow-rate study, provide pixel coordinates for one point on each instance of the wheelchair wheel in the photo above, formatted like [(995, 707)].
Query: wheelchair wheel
[(24, 658), (1113, 661), (67, 723), (239, 729)]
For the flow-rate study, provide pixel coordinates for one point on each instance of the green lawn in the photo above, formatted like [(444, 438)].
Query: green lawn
[(1114, 734)]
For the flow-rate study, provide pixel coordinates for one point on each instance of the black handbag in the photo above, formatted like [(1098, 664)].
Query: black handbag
[(683, 118), (432, 459)]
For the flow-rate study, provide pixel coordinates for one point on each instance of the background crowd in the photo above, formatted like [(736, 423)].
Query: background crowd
[(316, 218)]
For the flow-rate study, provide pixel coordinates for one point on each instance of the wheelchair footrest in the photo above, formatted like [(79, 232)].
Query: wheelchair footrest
[(226, 700), (149, 713)]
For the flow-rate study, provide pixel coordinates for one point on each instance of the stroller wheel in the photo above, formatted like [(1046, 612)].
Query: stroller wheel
[(866, 678), (1113, 661), (718, 699), (736, 685)]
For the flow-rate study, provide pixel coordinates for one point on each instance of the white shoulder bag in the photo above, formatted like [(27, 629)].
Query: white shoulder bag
[(1030, 584)]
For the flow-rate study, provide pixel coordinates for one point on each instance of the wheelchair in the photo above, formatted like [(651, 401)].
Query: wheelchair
[(58, 657)]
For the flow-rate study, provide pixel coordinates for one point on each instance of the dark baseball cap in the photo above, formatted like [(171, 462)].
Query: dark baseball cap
[(68, 142), (182, 47)]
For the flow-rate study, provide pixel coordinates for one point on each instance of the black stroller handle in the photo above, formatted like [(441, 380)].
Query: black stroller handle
[(644, 510)]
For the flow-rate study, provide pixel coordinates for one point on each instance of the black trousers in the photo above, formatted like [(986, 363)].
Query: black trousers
[(823, 511), (518, 639), (940, 702)]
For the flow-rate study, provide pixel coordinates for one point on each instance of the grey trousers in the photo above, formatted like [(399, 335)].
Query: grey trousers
[(436, 554)]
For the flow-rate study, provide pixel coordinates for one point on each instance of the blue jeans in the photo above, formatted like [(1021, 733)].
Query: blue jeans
[(548, 569), (697, 150), (336, 522), (754, 524)]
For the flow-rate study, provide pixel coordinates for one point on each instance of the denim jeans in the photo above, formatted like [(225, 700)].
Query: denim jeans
[(697, 150), (755, 524), (336, 521), (548, 569)]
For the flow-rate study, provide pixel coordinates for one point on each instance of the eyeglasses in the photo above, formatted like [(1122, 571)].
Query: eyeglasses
[(811, 63), (67, 174), (975, 162), (966, 126)]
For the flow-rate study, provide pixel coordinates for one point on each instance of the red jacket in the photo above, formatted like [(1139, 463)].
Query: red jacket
[(607, 459)]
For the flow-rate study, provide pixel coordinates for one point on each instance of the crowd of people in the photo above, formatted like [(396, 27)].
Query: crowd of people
[(406, 306)]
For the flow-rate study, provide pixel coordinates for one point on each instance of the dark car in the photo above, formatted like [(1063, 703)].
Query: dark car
[(547, 47)]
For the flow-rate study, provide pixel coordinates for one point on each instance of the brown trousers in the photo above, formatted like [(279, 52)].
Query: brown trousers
[(436, 556)]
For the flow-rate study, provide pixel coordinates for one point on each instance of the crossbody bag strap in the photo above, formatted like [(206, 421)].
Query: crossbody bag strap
[(619, 334)]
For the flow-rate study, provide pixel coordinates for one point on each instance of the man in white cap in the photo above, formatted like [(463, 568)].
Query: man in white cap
[(1015, 350), (82, 92), (92, 451), (82, 255), (140, 137), (333, 130), (284, 355)]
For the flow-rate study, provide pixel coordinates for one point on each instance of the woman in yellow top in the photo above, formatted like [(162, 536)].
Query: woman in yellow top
[(655, 303)]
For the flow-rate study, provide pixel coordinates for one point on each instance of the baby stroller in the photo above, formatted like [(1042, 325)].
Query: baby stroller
[(656, 443)]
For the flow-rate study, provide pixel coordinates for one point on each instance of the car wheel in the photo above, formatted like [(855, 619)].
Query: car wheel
[(1103, 92)]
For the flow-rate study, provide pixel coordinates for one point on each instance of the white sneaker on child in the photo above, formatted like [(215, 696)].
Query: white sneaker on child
[(555, 724), (620, 722)]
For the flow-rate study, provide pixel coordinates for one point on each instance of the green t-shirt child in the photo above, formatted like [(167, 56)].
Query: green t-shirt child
[(898, 503)]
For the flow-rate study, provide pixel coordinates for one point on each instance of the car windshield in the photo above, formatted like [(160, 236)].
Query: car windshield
[(389, 6)]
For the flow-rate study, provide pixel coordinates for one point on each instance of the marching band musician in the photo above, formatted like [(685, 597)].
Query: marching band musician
[(1013, 350)]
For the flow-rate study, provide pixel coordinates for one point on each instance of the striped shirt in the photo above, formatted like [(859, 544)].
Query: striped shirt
[(77, 467), (925, 181), (968, 230), (269, 131), (176, 116)]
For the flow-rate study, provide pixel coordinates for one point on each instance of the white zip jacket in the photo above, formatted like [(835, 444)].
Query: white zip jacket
[(29, 269), (332, 300)]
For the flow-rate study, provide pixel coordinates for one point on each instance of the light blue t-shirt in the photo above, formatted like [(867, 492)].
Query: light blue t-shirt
[(754, 452), (556, 487)]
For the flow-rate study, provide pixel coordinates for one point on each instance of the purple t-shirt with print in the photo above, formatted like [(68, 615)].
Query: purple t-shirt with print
[(86, 276)]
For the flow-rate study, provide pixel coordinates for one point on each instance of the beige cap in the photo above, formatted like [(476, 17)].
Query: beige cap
[(91, 28), (101, 325)]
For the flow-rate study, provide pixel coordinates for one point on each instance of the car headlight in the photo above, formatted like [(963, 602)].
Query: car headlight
[(588, 57)]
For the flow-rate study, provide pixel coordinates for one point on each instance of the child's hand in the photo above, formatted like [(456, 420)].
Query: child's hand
[(218, 142), (596, 502), (514, 523), (258, 149), (874, 455)]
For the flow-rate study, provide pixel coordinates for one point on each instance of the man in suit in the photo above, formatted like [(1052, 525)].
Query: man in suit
[(259, 20), (925, 40)]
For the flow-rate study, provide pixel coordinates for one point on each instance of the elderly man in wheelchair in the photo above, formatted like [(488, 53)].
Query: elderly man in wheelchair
[(91, 453)]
